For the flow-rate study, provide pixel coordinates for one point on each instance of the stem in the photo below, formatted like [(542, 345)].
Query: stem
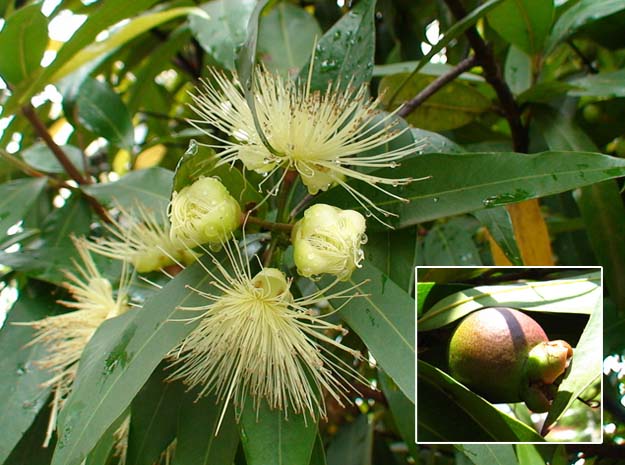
[(587, 62), (492, 74), (268, 224), (436, 85), (42, 131), (29, 112)]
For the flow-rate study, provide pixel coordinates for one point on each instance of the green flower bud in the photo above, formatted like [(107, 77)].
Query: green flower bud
[(204, 212), (328, 240)]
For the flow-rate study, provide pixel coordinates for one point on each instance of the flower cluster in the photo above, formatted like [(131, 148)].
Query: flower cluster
[(66, 335)]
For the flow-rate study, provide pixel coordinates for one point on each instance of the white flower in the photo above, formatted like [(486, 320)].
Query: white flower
[(142, 241), (255, 339), (328, 240), (66, 335), (322, 135), (203, 212)]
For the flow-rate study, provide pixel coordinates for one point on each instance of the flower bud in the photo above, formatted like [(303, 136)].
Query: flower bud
[(203, 212), (328, 240), (272, 283)]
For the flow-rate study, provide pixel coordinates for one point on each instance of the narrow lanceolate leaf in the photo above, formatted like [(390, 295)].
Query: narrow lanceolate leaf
[(558, 296), (403, 411), (494, 454), (119, 359), (122, 36), (600, 85), (441, 397), (291, 439), (524, 23), (384, 319), (150, 187), (527, 454), (585, 367), (467, 182), (21, 392), (345, 53), (198, 442), (23, 40), (104, 16), (450, 244), (579, 15), (16, 198), (153, 419)]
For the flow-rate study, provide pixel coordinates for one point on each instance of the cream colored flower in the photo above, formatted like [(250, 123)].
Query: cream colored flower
[(203, 212), (255, 339), (66, 335), (322, 135), (143, 241), (328, 240)]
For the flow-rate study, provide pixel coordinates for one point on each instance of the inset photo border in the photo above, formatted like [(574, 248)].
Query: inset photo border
[(509, 355)]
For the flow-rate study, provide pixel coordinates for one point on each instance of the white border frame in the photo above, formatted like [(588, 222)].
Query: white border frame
[(571, 267)]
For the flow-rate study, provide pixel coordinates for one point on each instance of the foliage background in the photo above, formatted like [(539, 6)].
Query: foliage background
[(546, 78)]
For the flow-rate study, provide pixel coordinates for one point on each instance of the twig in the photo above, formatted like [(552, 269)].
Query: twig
[(591, 68), (29, 112), (436, 85), (31, 115), (268, 224), (492, 74)]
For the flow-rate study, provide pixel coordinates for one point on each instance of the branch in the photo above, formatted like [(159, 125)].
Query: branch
[(29, 112), (492, 74), (267, 224), (436, 85)]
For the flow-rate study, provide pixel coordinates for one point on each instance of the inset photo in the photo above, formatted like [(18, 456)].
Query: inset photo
[(509, 355)]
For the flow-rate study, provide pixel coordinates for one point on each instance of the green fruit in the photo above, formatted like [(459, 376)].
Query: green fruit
[(505, 356)]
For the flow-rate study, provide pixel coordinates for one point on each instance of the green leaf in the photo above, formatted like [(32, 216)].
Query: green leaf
[(518, 70), (449, 412), (393, 253), (102, 452), (524, 23), (345, 53), (40, 157), (96, 51), (100, 18), (453, 106), (286, 38), (601, 205), (432, 142), (495, 454), (21, 391), (384, 319), (153, 418), (463, 183), (585, 368), (318, 454), (150, 187), (267, 437), (119, 359), (579, 15), (353, 444), (527, 454), (576, 295), (16, 199), (499, 224), (610, 85), (197, 441), (224, 30), (450, 244), (403, 411), (104, 113), (431, 69), (23, 40)]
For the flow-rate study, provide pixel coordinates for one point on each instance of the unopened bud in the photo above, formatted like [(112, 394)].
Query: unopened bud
[(204, 212), (328, 240)]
